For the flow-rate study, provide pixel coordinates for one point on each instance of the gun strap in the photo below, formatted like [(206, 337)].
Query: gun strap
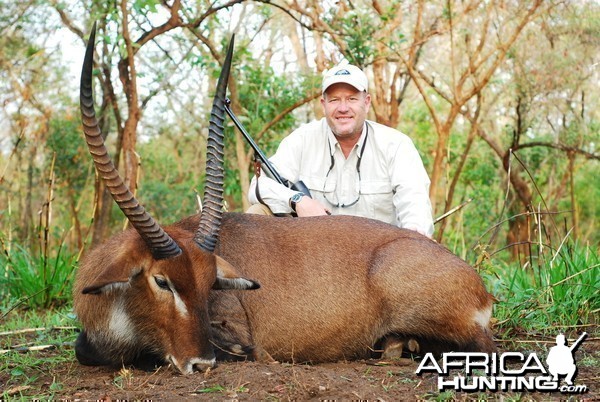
[(257, 173), (257, 166)]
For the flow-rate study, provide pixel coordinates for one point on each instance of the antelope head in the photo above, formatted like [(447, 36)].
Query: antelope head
[(144, 292)]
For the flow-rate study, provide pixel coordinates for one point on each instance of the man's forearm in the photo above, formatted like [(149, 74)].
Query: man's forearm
[(276, 196)]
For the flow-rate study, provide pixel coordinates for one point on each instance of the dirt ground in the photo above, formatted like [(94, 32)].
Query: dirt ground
[(249, 381)]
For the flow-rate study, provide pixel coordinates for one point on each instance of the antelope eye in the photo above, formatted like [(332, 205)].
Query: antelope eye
[(162, 283)]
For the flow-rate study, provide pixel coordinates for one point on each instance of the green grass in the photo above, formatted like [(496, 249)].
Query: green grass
[(560, 292), (26, 328), (33, 280)]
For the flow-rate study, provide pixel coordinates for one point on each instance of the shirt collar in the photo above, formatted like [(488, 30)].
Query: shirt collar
[(333, 142)]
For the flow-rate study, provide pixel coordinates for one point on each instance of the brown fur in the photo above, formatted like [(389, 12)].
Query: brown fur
[(158, 329), (331, 287)]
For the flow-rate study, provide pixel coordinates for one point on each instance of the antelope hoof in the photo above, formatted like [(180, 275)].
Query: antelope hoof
[(394, 346), (392, 349)]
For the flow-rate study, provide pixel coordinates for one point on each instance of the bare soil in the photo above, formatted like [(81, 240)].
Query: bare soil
[(248, 381)]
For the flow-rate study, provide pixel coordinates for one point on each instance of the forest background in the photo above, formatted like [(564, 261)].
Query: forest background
[(500, 97)]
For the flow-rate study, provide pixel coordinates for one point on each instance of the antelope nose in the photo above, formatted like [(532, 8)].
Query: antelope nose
[(189, 366), (203, 364)]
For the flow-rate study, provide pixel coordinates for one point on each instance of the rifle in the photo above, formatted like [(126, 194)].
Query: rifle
[(259, 155), (578, 341)]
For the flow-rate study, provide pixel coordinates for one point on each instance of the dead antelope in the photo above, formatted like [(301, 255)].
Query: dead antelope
[(330, 287)]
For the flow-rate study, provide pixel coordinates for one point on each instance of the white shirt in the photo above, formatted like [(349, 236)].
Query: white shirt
[(392, 186)]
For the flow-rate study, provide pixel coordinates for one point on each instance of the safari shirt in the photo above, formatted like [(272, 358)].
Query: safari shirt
[(392, 185)]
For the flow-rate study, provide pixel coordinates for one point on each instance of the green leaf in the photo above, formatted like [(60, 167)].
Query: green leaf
[(211, 390)]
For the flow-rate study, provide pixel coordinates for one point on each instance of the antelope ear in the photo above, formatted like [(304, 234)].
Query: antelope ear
[(228, 278), (113, 278), (117, 267)]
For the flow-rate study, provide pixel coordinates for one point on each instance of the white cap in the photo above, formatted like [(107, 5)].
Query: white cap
[(346, 73)]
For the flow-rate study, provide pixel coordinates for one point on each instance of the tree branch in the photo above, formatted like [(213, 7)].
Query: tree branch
[(562, 147), (67, 21), (280, 116)]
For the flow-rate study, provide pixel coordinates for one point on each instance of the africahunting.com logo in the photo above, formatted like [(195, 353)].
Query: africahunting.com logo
[(509, 371)]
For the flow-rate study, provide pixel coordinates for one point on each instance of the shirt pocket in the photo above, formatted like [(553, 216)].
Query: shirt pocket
[(376, 187), (319, 188), (319, 184), (379, 199)]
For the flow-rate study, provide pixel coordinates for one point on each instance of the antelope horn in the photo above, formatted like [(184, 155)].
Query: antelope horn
[(212, 212), (161, 245)]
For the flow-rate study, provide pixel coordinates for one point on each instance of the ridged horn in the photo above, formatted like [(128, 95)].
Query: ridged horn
[(212, 211), (161, 245)]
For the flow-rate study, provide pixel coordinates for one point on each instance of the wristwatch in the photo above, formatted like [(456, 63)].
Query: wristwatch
[(294, 199)]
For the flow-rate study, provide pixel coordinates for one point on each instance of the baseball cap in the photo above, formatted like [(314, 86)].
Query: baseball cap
[(346, 73)]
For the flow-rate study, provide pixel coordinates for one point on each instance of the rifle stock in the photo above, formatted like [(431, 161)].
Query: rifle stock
[(269, 168), (301, 187)]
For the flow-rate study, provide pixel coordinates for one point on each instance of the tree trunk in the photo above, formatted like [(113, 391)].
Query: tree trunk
[(518, 231), (75, 214), (128, 77), (27, 214), (454, 183), (574, 209), (102, 207), (438, 169)]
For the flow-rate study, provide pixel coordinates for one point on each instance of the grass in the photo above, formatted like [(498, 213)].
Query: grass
[(224, 391), (123, 379), (23, 329), (36, 281), (560, 292)]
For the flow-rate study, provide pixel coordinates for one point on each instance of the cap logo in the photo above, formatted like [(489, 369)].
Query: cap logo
[(342, 72)]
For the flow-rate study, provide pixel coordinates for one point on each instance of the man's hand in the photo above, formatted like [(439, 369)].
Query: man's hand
[(310, 207)]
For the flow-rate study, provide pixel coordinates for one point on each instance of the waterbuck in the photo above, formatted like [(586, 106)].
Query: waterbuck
[(249, 286)]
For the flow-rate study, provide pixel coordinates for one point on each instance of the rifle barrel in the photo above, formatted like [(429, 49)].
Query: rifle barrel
[(272, 172), (578, 341)]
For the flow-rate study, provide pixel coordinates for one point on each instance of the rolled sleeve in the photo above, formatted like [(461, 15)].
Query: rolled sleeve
[(276, 196)]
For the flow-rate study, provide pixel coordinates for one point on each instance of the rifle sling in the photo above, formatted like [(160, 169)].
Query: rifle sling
[(257, 166), (257, 172)]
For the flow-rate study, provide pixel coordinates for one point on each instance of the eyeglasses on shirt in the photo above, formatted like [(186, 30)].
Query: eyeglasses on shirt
[(338, 204)]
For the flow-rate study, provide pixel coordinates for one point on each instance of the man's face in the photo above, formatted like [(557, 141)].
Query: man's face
[(345, 109)]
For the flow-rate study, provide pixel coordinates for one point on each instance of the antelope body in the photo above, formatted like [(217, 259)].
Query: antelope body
[(330, 287), (333, 286), (293, 289)]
